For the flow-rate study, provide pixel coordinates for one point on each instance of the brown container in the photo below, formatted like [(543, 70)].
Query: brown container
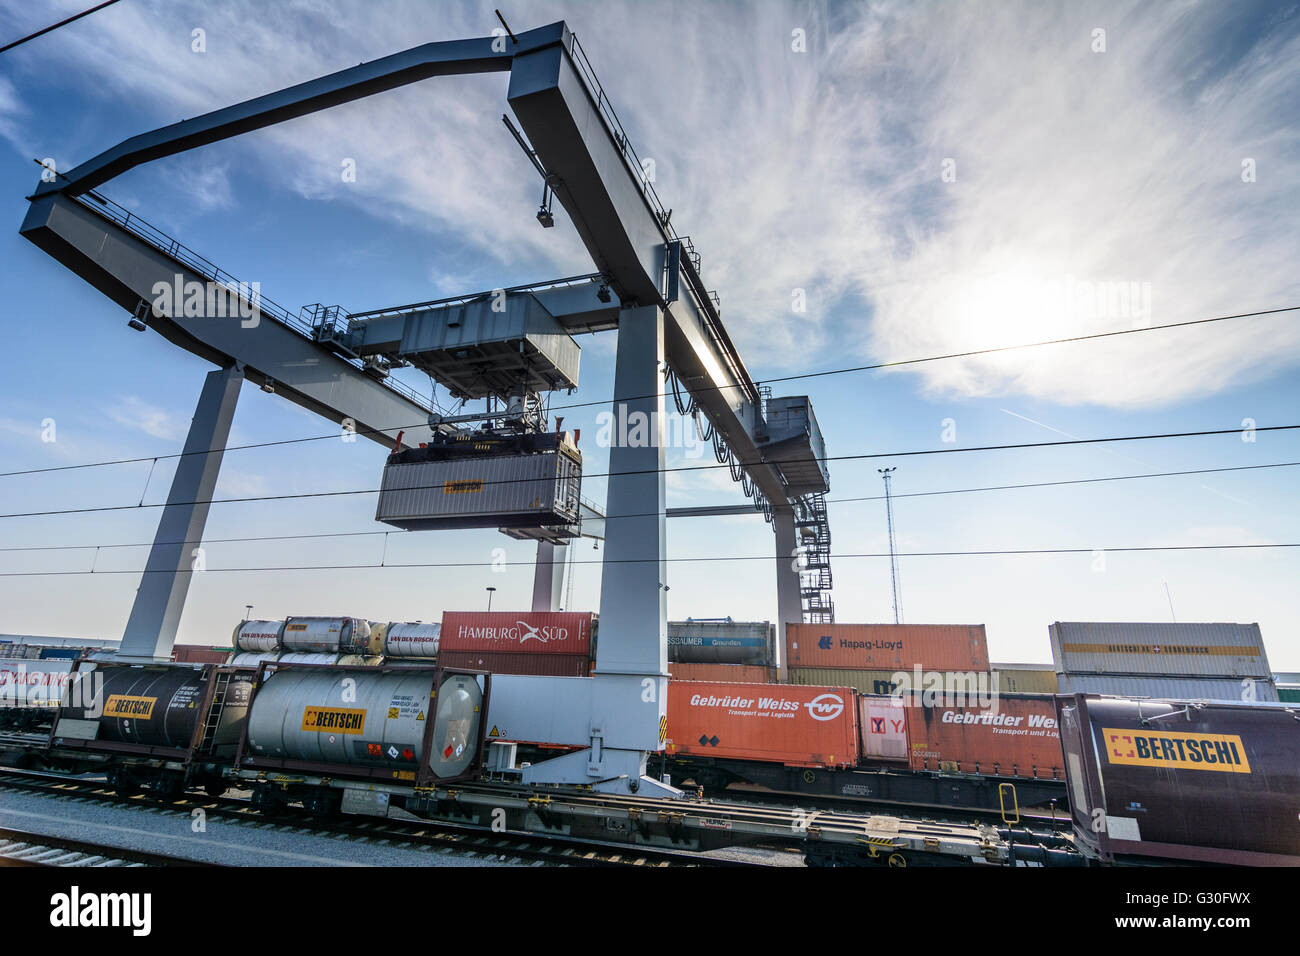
[(199, 654), (726, 673), (526, 632), (877, 647), (877, 682), (1019, 737), (777, 723), (506, 662)]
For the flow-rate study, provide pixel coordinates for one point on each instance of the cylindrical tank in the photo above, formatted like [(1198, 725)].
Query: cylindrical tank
[(326, 635), (456, 731), (375, 720), (258, 636), (721, 642), (155, 706), (252, 658), (411, 639)]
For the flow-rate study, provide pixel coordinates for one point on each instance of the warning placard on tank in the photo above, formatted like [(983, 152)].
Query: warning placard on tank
[(404, 706)]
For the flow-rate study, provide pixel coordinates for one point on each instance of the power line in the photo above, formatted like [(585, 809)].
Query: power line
[(61, 23), (655, 471), (749, 557), (788, 378), (651, 514)]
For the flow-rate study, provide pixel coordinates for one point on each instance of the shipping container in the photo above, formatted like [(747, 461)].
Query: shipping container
[(518, 662), (886, 682), (722, 642), (1162, 650), (1181, 780), (724, 673), (882, 725), (516, 490), (1015, 736), (795, 726), (1289, 693), (939, 647), (1025, 678), (199, 654), (32, 683), (1187, 688), (526, 632)]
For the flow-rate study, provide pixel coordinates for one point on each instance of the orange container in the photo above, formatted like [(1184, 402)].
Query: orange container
[(777, 723), (1018, 738), (878, 647), (728, 673)]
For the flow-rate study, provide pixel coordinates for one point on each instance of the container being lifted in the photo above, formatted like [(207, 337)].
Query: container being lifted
[(484, 480)]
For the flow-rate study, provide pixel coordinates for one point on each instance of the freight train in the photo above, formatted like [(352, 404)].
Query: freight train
[(1152, 781), (833, 742), (167, 728)]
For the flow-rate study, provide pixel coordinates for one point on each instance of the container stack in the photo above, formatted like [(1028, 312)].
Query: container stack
[(867, 657), (1178, 661)]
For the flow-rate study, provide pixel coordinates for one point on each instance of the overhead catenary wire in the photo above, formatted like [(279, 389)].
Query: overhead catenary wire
[(653, 514), (679, 560), (681, 468), (55, 26), (365, 432)]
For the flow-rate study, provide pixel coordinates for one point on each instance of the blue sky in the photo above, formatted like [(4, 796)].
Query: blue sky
[(822, 171)]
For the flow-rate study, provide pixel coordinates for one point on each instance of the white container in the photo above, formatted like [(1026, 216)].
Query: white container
[(1170, 650), (883, 727)]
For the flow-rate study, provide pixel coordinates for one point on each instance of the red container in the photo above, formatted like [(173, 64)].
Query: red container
[(878, 647), (778, 723), (530, 632), (726, 673), (506, 662), (1018, 738), (199, 654)]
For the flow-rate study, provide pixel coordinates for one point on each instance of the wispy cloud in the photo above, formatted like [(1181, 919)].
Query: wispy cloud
[(823, 170), (135, 412)]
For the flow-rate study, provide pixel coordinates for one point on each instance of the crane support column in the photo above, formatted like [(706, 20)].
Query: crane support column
[(548, 577), (156, 614), (789, 604), (633, 590)]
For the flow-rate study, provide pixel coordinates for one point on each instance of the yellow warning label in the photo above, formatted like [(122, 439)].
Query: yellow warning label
[(495, 732), (1140, 748), (663, 728), (420, 716), (341, 720), (394, 713), (122, 705)]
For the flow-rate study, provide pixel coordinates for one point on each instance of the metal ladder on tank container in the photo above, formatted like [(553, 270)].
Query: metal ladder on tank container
[(213, 720)]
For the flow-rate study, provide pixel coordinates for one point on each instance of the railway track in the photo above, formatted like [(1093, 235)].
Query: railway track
[(468, 840), (22, 848)]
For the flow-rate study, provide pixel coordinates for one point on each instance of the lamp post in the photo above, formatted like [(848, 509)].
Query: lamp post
[(489, 591)]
